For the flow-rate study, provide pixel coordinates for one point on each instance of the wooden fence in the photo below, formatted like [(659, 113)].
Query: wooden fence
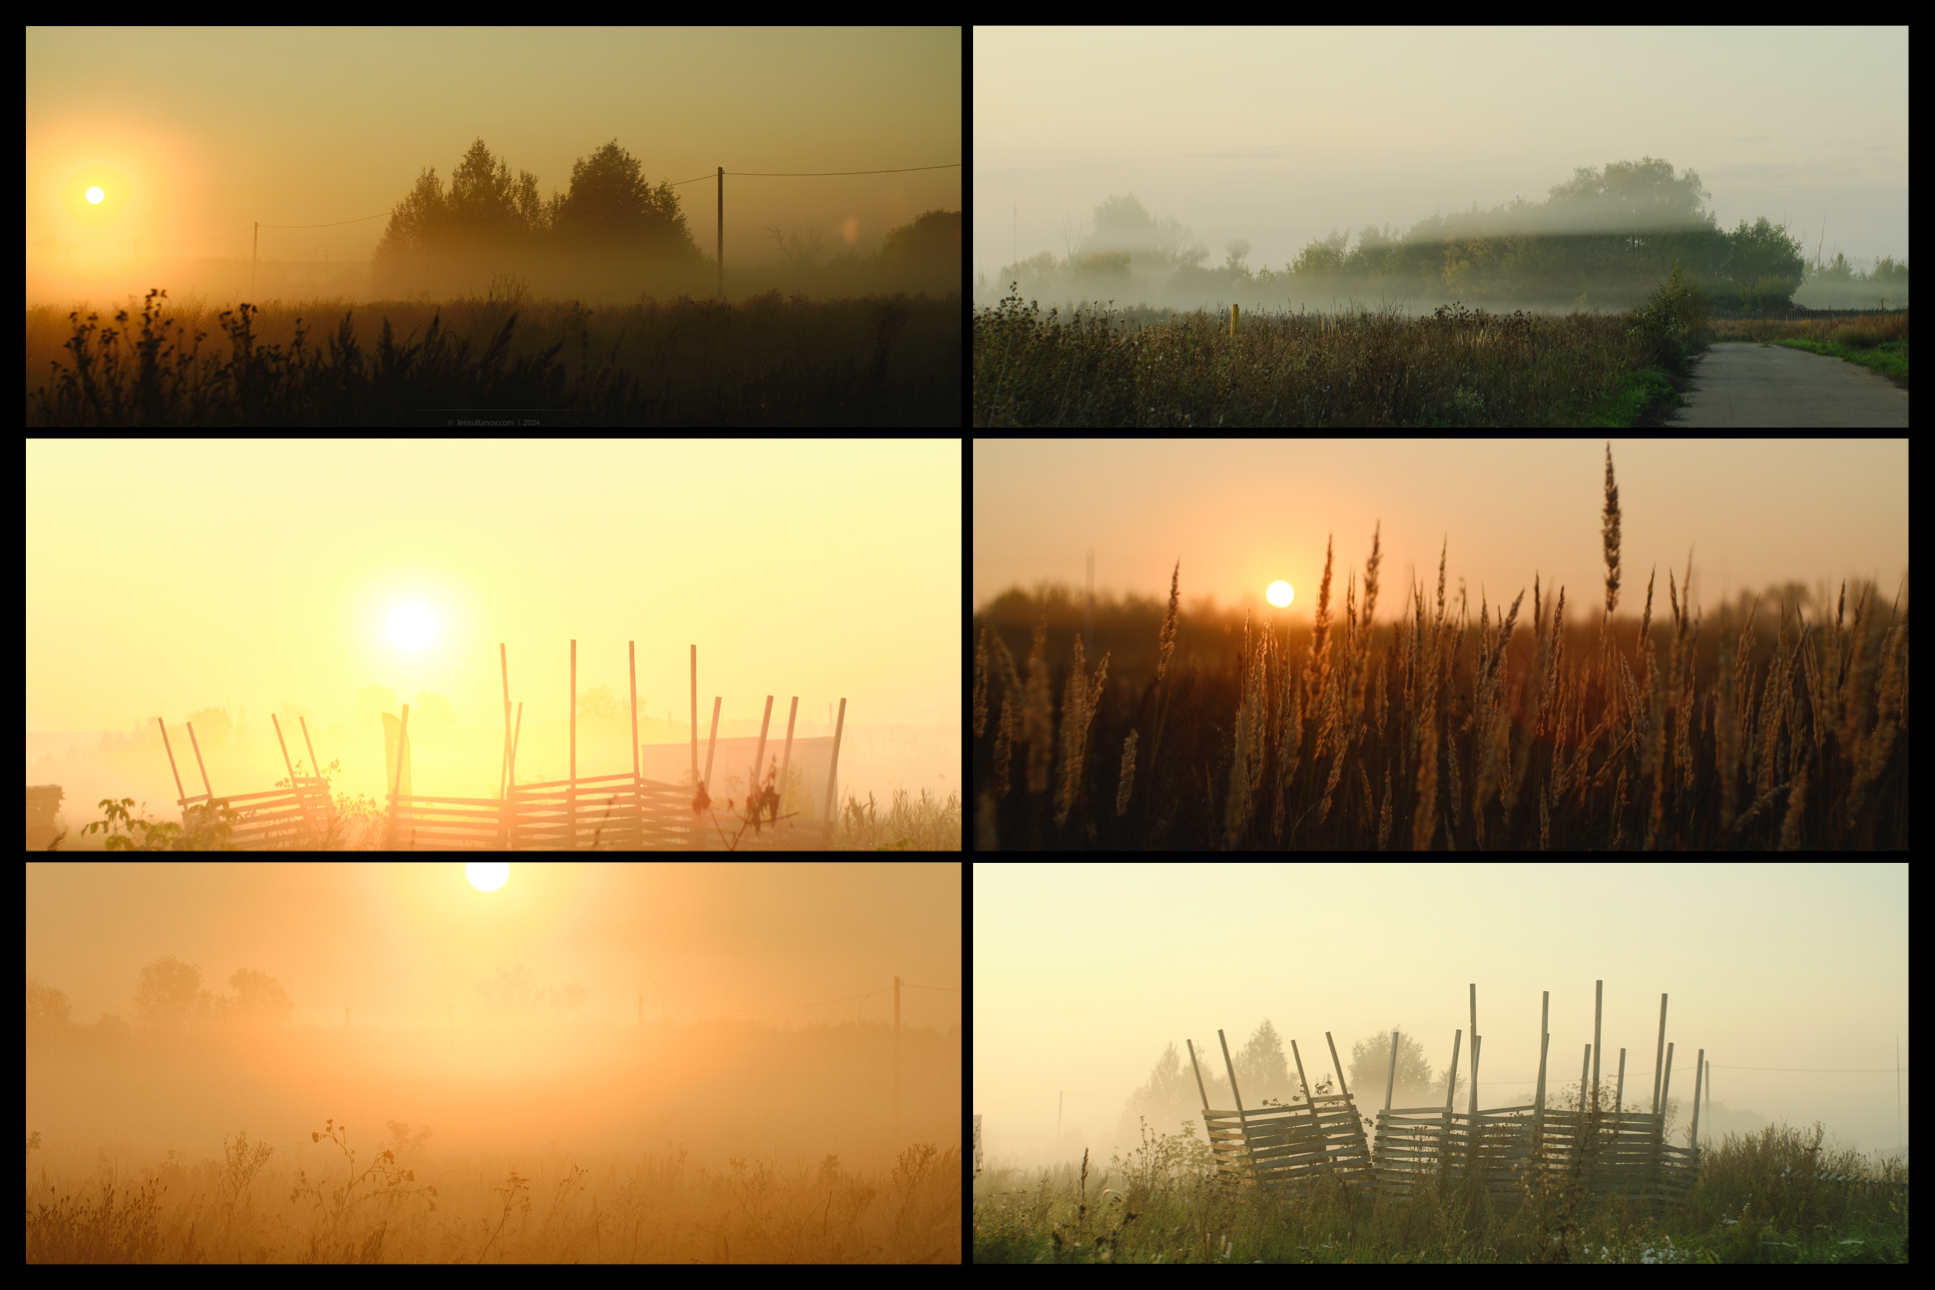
[(615, 811), (1321, 1138), (1603, 1150), (285, 818)]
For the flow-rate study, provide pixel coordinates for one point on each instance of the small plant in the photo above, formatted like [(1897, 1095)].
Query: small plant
[(388, 1175), (210, 826)]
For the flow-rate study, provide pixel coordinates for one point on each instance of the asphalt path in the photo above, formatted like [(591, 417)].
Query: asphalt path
[(1749, 385)]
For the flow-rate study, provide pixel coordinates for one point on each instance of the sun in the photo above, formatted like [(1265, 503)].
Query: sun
[(412, 626), (95, 195), (1281, 593), (487, 877)]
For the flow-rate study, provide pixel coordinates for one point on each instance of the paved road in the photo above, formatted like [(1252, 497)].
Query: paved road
[(1744, 385)]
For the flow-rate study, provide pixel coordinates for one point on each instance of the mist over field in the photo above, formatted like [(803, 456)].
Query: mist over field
[(632, 1063), (1504, 169)]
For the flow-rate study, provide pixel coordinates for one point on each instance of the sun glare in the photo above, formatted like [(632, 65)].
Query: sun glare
[(412, 626), (94, 195), (487, 877), (1281, 593)]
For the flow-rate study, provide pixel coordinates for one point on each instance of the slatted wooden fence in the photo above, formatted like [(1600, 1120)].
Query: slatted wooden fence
[(1602, 1150)]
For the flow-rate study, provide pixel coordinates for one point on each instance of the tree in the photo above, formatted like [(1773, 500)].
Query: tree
[(1416, 1085), (430, 709), (170, 993), (258, 996), (932, 239), (47, 1010), (611, 206), (599, 706)]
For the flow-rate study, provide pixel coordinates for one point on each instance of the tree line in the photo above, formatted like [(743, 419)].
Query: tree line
[(1604, 237)]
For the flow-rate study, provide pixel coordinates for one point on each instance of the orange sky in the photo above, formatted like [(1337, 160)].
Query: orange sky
[(721, 952), (195, 135), (1241, 514), (165, 578)]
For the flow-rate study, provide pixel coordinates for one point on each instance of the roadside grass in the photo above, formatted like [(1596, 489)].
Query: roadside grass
[(1880, 342), (1383, 369)]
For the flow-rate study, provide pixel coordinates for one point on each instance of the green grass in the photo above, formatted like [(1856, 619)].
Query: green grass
[(406, 1206), (1384, 369), (502, 360), (1758, 1200)]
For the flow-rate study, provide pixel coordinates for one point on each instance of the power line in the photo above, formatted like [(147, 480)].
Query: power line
[(1826, 1070)]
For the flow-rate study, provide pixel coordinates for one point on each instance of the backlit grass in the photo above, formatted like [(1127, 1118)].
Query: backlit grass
[(504, 359), (333, 1201)]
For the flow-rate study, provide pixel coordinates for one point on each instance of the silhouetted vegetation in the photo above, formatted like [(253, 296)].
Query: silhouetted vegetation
[(876, 361)]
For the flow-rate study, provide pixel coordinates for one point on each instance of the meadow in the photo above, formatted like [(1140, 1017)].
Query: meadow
[(503, 358), (1780, 722), (1771, 1197), (1372, 369), (638, 1145)]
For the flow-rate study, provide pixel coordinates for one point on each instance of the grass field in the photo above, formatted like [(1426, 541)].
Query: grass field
[(1378, 370), (1761, 1199), (1442, 730), (503, 359)]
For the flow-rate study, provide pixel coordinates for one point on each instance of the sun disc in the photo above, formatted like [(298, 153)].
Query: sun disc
[(487, 877), (94, 195), (1281, 593), (412, 626)]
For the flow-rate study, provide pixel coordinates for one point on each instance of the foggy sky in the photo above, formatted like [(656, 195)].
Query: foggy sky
[(215, 129), (1241, 515), (741, 966), (1279, 136), (1083, 974), (754, 941), (167, 577)]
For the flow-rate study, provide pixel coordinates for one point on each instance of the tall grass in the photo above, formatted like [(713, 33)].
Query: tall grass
[(1442, 731), (1756, 1200), (403, 1206), (1370, 369), (887, 361)]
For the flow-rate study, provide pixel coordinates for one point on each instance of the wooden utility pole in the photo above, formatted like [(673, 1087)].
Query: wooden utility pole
[(722, 232), (896, 1063)]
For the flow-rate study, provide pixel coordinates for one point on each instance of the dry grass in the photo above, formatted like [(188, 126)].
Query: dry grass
[(653, 1209), (1462, 734)]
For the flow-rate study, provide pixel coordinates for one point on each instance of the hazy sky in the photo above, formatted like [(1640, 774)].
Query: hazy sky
[(1241, 515), (724, 953), (1279, 136), (195, 134), (170, 576), (748, 940), (1792, 977)]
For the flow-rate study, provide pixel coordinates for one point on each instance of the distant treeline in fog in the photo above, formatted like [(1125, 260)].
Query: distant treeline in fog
[(1603, 240), (614, 233)]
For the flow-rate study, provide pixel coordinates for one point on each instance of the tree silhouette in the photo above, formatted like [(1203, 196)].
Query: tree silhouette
[(1416, 1085), (47, 1009), (612, 208), (258, 996), (170, 993), (431, 709)]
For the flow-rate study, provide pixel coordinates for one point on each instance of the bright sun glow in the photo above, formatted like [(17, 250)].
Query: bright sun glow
[(94, 195), (412, 626), (487, 877), (1280, 593)]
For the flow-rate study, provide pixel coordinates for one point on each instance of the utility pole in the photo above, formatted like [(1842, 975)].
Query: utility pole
[(722, 232), (1088, 629), (896, 1063)]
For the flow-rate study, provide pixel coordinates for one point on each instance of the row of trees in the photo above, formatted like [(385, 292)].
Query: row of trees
[(1603, 238), (170, 995), (612, 229), (487, 221)]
